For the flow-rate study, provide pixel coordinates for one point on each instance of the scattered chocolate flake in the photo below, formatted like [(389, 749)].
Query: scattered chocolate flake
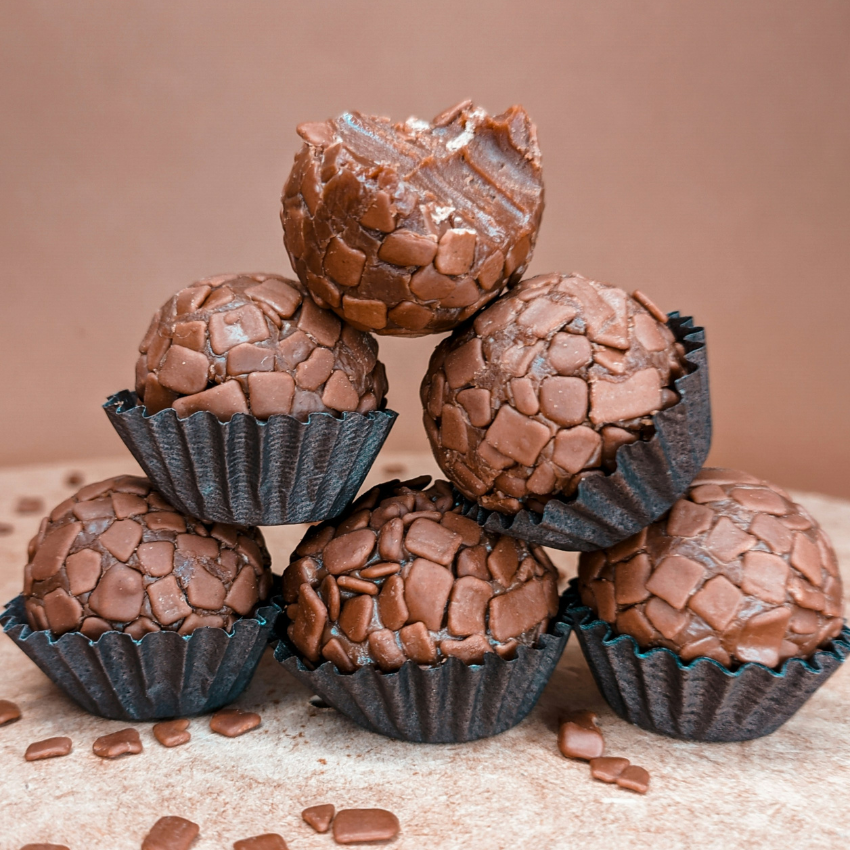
[(121, 743), (233, 722), (634, 778), (50, 748), (172, 733), (29, 505), (74, 479), (171, 833), (9, 712), (319, 817), (269, 841), (580, 738), (45, 847), (6, 528), (607, 768), (358, 826)]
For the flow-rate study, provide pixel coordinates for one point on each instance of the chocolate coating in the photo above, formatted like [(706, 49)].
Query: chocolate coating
[(254, 343), (735, 571), (408, 229), (544, 387), (402, 575), (117, 556)]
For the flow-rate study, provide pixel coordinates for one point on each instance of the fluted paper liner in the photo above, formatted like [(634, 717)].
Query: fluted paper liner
[(248, 471), (650, 476), (449, 704), (160, 676), (699, 700)]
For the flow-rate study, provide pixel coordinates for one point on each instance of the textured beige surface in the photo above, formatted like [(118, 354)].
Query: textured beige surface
[(513, 791)]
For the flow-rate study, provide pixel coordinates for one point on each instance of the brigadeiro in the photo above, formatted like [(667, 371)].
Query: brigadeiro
[(540, 392), (408, 229), (741, 589), (119, 579), (232, 375), (403, 598)]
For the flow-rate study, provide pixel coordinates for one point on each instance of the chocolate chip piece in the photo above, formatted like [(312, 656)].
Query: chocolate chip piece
[(29, 505), (48, 749), (579, 739), (172, 733), (356, 617), (233, 722), (360, 826), (74, 479), (116, 744), (349, 552), (608, 768), (432, 541), (171, 833), (9, 712), (269, 841), (319, 817), (634, 778), (426, 592), (470, 650), (45, 847), (119, 594)]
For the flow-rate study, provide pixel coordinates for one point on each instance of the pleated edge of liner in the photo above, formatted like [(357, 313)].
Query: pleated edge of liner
[(582, 618), (265, 615), (688, 333), (125, 403), (559, 630)]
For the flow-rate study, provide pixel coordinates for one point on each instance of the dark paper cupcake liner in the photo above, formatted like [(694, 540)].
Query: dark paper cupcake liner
[(252, 472), (701, 700), (160, 676), (651, 475), (450, 704)]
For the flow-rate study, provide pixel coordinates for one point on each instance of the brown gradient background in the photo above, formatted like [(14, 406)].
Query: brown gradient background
[(697, 151)]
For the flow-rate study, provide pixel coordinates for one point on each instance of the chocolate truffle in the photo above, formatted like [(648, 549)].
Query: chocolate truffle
[(736, 571), (253, 343), (116, 556), (408, 229), (544, 387), (402, 575)]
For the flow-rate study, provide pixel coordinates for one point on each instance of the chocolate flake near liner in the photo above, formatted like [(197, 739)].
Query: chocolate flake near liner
[(650, 475), (252, 472), (162, 675), (700, 700)]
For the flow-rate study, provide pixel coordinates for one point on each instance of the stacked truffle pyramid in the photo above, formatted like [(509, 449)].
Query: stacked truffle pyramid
[(563, 411)]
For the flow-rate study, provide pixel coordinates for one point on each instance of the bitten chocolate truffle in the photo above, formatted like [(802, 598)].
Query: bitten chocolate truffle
[(253, 343), (544, 387), (736, 571), (409, 229), (402, 575), (117, 556)]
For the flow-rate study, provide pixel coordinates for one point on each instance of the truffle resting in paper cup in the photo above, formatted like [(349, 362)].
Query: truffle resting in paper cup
[(253, 344), (254, 406), (544, 386), (405, 589), (408, 229), (138, 611), (737, 576)]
